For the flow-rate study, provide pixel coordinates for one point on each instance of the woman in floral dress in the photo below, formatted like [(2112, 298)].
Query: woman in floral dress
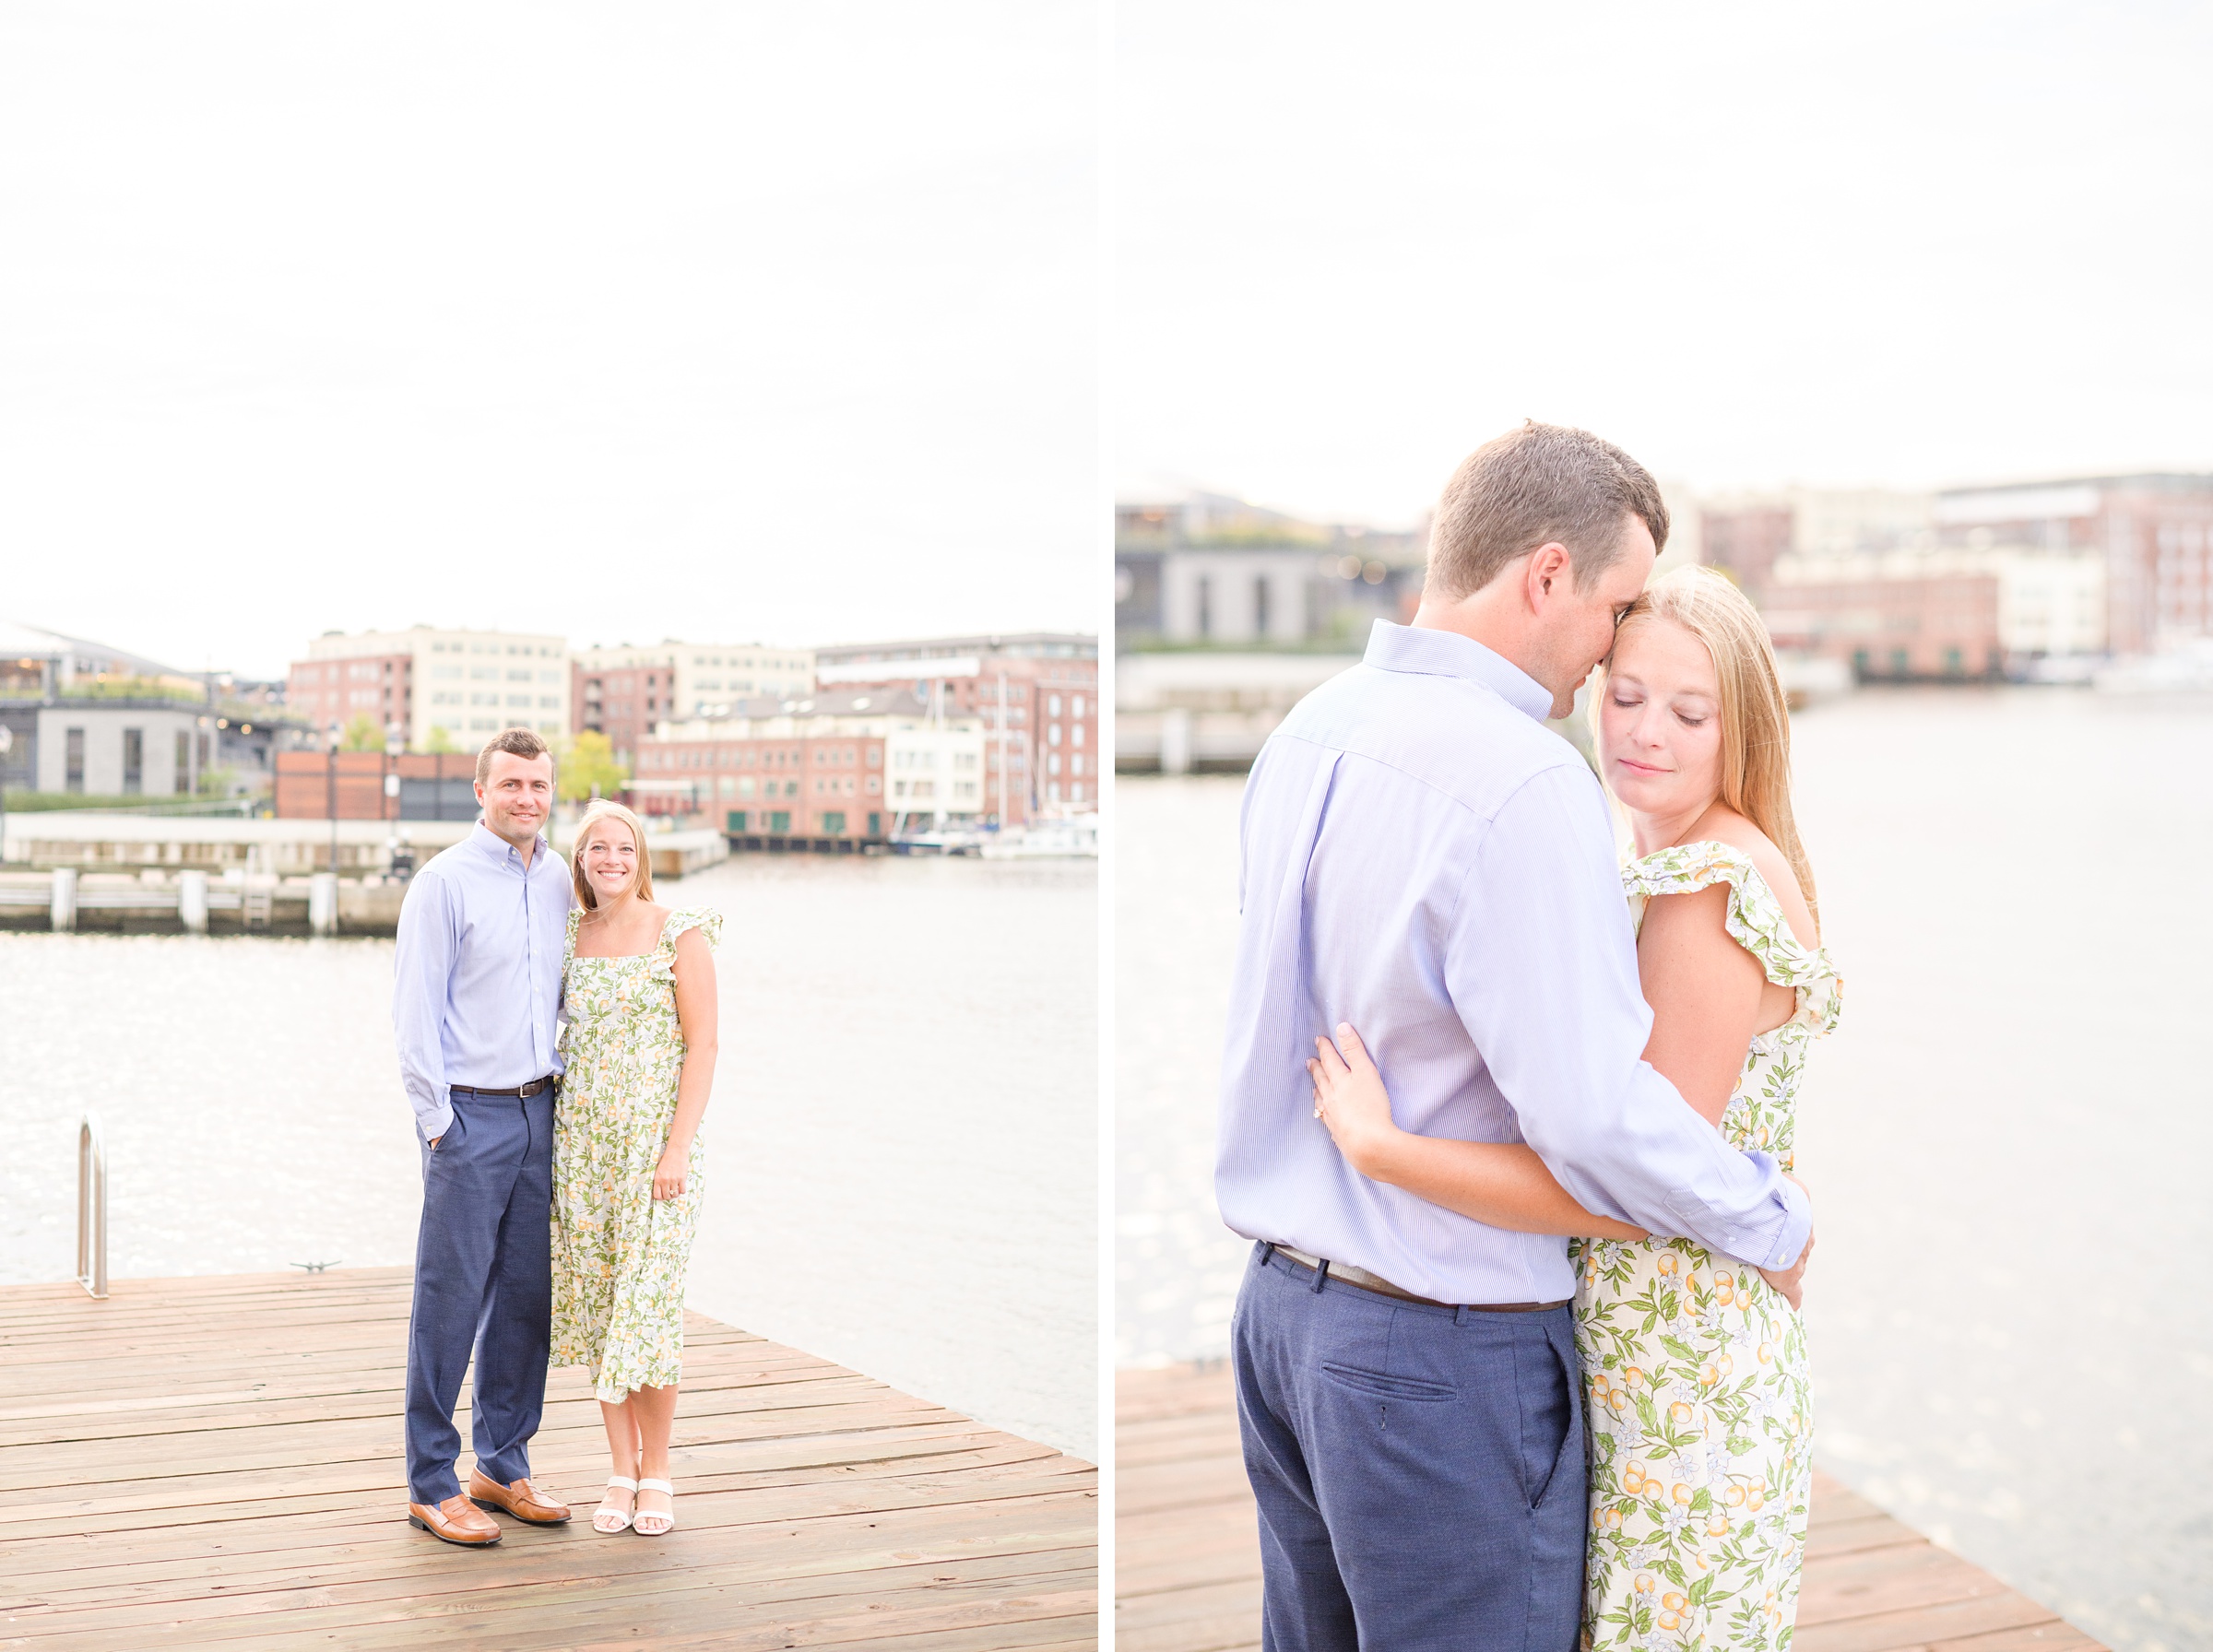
[(1695, 1379), (638, 998)]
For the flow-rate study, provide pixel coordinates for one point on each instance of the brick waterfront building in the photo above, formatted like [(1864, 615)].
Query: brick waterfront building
[(1929, 586), (1897, 625), (1035, 695), (2154, 533), (624, 693), (836, 769)]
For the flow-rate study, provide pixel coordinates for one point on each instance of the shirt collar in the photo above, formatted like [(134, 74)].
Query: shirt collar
[(500, 849), (1423, 651)]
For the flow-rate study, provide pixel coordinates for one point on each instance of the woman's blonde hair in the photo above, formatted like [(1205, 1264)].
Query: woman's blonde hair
[(597, 815), (1756, 716)]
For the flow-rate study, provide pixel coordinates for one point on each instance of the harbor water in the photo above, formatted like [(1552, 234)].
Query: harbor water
[(2005, 1139), (901, 1146)]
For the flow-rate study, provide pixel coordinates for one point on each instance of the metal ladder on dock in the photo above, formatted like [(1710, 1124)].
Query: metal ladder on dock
[(92, 1207)]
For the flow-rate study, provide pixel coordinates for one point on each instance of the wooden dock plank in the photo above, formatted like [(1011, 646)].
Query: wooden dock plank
[(217, 1462), (1187, 1560)]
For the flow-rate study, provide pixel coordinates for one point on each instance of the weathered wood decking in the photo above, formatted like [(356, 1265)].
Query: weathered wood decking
[(217, 1462), (1187, 1564)]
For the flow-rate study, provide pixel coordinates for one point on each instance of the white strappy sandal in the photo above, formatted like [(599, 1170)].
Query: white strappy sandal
[(619, 1519), (654, 1514)]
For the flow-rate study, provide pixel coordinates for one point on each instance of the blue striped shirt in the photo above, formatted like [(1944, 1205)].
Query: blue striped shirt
[(475, 988), (1424, 858)]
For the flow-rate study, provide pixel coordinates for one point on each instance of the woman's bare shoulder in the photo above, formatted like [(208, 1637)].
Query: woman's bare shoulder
[(1726, 826)]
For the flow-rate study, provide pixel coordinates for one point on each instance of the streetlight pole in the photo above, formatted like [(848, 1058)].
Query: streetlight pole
[(331, 770), (395, 743), (8, 741)]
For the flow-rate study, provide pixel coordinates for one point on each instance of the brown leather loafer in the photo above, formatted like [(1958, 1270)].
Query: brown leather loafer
[(519, 1498), (456, 1520)]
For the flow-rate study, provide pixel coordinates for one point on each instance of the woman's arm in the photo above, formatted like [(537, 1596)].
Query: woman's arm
[(1706, 991), (1502, 1184), (697, 1010), (1708, 996)]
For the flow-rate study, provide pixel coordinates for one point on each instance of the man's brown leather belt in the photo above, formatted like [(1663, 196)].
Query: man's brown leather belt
[(1383, 1287), (521, 1090)]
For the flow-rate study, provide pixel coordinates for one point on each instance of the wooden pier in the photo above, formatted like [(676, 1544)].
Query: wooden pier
[(1188, 1563), (217, 1462)]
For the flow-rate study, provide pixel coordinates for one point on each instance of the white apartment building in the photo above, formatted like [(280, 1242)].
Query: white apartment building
[(2049, 602), (424, 681), (935, 768)]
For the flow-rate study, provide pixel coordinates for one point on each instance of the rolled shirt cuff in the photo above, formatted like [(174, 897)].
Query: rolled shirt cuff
[(1752, 1238), (434, 1117), (1797, 1227)]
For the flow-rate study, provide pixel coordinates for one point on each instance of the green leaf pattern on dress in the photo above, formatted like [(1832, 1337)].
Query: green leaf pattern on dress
[(618, 1253), (1696, 1380)]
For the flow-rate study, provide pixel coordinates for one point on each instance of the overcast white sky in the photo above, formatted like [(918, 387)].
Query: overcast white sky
[(724, 320), (1887, 243)]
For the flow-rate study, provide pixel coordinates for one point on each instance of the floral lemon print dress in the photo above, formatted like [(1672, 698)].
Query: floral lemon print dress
[(1696, 1380), (618, 1253)]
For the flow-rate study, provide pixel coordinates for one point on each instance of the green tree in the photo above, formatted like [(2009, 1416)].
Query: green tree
[(587, 763), (362, 735), (441, 740)]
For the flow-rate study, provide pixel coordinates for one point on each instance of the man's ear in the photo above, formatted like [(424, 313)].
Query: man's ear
[(1549, 570)]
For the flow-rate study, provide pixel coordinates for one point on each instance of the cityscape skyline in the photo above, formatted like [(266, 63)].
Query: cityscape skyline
[(1153, 486)]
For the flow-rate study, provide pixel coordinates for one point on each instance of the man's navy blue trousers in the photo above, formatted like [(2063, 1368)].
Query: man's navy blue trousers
[(483, 1280), (1419, 1469)]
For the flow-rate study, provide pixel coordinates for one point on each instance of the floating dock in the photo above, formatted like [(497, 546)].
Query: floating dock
[(1188, 1559), (150, 874), (217, 1462)]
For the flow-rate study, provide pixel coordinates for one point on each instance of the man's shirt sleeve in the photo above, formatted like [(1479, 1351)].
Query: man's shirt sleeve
[(421, 974), (1541, 961)]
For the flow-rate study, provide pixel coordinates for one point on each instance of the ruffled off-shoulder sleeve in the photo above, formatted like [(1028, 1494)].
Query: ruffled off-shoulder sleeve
[(1755, 920), (705, 919)]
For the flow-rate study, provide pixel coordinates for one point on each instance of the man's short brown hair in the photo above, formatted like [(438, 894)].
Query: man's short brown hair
[(521, 742), (1532, 486)]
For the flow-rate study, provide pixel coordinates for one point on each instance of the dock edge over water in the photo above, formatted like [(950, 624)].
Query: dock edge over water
[(1188, 1558), (216, 1461)]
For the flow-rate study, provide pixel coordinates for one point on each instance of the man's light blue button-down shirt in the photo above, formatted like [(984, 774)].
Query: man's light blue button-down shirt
[(1424, 858), (475, 994)]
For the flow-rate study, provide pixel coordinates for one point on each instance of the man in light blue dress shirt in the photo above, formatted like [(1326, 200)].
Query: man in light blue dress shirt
[(1425, 859), (475, 1004)]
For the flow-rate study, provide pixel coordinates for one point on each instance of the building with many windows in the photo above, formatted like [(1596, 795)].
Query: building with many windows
[(838, 769), (1036, 694), (1749, 535), (622, 692), (2152, 533), (1986, 611), (429, 687)]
